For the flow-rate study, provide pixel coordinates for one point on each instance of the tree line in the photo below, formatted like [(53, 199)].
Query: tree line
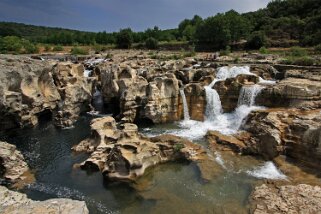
[(282, 23)]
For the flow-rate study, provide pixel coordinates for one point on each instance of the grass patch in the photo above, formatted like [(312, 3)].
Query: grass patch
[(58, 48), (177, 147), (264, 50), (79, 51), (301, 61)]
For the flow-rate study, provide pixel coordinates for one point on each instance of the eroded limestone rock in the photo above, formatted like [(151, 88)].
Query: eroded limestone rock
[(300, 198), (75, 91), (121, 153), (13, 168), (17, 203), (27, 90)]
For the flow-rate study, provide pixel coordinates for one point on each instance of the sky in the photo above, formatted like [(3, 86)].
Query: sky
[(112, 15)]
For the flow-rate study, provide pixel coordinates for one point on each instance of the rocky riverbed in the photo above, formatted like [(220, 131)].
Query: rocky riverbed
[(235, 126)]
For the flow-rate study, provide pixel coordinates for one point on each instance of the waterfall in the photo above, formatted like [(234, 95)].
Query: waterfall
[(185, 106), (228, 72), (248, 94), (213, 103), (215, 118)]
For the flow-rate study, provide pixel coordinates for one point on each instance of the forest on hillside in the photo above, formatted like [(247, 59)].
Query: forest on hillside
[(283, 23)]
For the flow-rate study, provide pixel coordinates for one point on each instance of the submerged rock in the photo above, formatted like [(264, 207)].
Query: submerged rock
[(13, 168), (17, 203), (121, 153), (300, 198)]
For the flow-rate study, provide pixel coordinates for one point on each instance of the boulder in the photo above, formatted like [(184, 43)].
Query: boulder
[(17, 203), (13, 168), (75, 91), (121, 153), (292, 92), (292, 132), (27, 90), (162, 100), (229, 142)]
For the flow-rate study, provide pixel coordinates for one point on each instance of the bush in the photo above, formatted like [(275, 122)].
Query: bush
[(304, 61), (263, 50), (298, 52), (301, 61), (178, 147), (58, 48), (256, 40), (151, 43), (226, 52), (125, 38), (30, 48), (317, 48), (47, 48), (79, 51), (11, 44)]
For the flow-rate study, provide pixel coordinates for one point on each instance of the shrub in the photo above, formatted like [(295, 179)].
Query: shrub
[(317, 48), (79, 51), (178, 147), (58, 48), (298, 52), (30, 48), (47, 48), (263, 50), (125, 38), (151, 43), (11, 44), (304, 61), (226, 52), (256, 40)]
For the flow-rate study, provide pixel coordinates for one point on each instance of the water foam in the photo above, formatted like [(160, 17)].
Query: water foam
[(87, 73), (267, 171), (65, 192)]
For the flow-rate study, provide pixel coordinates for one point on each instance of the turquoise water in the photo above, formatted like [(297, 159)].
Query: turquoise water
[(174, 187)]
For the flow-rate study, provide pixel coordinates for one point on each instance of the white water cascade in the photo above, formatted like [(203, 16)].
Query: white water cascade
[(248, 94), (215, 119), (185, 106), (214, 105)]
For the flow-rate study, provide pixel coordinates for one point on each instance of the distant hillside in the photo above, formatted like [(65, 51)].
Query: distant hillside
[(283, 23), (289, 20), (31, 32)]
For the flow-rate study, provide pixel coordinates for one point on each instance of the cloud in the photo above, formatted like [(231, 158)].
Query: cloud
[(111, 15)]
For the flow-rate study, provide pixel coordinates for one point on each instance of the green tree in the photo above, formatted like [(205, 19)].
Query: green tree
[(151, 43), (125, 38), (256, 40)]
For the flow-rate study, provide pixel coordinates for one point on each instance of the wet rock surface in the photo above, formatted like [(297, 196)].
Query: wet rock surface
[(17, 203)]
